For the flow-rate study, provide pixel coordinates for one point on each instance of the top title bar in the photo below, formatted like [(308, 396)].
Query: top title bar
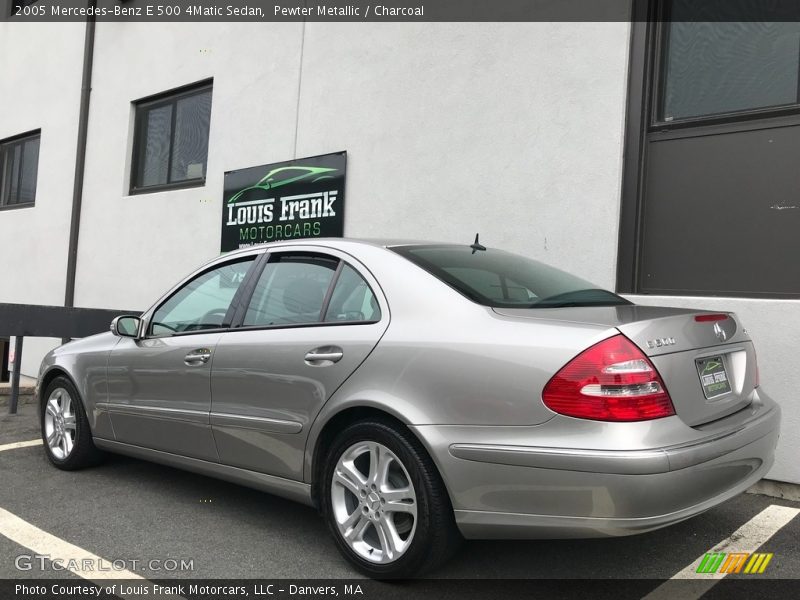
[(27, 11), (310, 10)]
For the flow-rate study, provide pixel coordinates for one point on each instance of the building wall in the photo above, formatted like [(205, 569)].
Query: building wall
[(450, 130), (40, 89), (511, 130)]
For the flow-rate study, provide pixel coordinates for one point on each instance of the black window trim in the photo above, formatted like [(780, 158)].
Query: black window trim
[(273, 256), (21, 137), (326, 301), (167, 98)]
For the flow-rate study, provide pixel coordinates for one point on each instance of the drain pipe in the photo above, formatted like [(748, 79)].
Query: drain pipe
[(80, 157)]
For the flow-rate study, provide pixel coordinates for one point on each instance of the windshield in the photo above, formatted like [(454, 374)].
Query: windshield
[(503, 280)]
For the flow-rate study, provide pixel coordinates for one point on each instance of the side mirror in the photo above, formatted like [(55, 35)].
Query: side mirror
[(125, 326)]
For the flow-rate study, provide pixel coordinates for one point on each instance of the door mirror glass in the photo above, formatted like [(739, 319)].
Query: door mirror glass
[(125, 326)]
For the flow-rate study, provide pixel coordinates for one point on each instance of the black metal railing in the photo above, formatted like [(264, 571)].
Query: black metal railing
[(32, 320)]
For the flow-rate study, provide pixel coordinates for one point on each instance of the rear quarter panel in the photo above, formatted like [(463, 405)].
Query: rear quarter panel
[(446, 360)]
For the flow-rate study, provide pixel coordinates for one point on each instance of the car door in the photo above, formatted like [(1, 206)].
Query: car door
[(159, 385), (311, 321)]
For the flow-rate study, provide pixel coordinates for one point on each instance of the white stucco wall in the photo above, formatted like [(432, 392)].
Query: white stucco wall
[(510, 130), (133, 248), (450, 129), (40, 89)]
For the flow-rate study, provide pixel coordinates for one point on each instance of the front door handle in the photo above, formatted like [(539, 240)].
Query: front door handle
[(324, 357), (197, 357)]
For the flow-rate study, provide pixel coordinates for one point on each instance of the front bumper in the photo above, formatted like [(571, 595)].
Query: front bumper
[(618, 483)]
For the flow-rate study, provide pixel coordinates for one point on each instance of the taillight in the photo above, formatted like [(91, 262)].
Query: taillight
[(610, 381)]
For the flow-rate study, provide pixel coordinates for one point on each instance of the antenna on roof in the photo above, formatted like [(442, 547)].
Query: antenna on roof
[(476, 245)]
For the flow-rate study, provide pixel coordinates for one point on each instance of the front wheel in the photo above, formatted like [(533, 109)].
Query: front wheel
[(385, 503), (65, 428)]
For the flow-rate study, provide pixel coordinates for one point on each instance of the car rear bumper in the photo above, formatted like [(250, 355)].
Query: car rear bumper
[(530, 491)]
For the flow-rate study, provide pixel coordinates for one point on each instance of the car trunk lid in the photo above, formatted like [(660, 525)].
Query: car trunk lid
[(706, 360)]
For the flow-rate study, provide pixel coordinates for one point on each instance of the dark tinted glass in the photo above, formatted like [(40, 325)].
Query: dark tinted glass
[(14, 164), (19, 167), (156, 146), (501, 279), (190, 150), (172, 139), (724, 67), (290, 291), (352, 299), (29, 170)]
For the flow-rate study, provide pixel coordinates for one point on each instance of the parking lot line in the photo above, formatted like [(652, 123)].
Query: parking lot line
[(76, 560), (20, 445), (748, 538), (73, 558)]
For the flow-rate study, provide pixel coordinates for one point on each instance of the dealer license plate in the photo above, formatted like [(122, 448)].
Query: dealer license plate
[(713, 376)]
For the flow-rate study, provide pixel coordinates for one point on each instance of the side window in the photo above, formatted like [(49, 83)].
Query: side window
[(203, 302), (291, 290), (352, 299)]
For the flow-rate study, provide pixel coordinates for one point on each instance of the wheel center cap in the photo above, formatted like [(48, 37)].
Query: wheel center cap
[(374, 501)]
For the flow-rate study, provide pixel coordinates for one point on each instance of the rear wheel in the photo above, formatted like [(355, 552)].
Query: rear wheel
[(65, 428), (385, 503)]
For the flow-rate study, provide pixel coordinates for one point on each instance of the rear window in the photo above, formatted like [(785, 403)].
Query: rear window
[(504, 280)]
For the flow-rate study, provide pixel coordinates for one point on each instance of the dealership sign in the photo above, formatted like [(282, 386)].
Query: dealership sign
[(284, 201)]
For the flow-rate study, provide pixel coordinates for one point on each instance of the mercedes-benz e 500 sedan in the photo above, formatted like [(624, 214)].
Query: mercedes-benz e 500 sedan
[(420, 393)]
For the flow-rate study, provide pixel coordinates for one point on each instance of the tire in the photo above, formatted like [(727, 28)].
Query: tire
[(65, 429), (392, 530)]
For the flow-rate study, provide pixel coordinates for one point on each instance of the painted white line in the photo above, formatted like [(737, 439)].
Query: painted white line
[(74, 559), (748, 538), (21, 444), (43, 543)]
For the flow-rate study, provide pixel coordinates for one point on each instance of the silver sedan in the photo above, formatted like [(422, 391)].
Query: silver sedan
[(420, 393)]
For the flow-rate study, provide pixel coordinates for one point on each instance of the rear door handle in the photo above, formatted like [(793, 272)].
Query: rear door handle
[(197, 357), (323, 357)]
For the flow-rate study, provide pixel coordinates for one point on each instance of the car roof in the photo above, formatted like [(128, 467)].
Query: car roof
[(377, 242)]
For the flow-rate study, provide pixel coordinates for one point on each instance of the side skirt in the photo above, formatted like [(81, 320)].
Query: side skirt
[(286, 488)]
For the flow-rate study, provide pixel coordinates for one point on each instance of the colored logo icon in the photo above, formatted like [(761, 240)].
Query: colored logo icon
[(734, 562)]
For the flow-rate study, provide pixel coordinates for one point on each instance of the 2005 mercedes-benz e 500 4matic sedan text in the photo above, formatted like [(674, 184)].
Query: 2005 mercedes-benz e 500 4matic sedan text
[(417, 393)]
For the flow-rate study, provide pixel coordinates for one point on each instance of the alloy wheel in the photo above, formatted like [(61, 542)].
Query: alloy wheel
[(374, 502), (59, 423)]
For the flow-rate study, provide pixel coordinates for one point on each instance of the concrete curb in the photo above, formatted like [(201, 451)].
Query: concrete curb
[(776, 489), (24, 398)]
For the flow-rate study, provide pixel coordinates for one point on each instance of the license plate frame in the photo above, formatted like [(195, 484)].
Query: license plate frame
[(713, 374)]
